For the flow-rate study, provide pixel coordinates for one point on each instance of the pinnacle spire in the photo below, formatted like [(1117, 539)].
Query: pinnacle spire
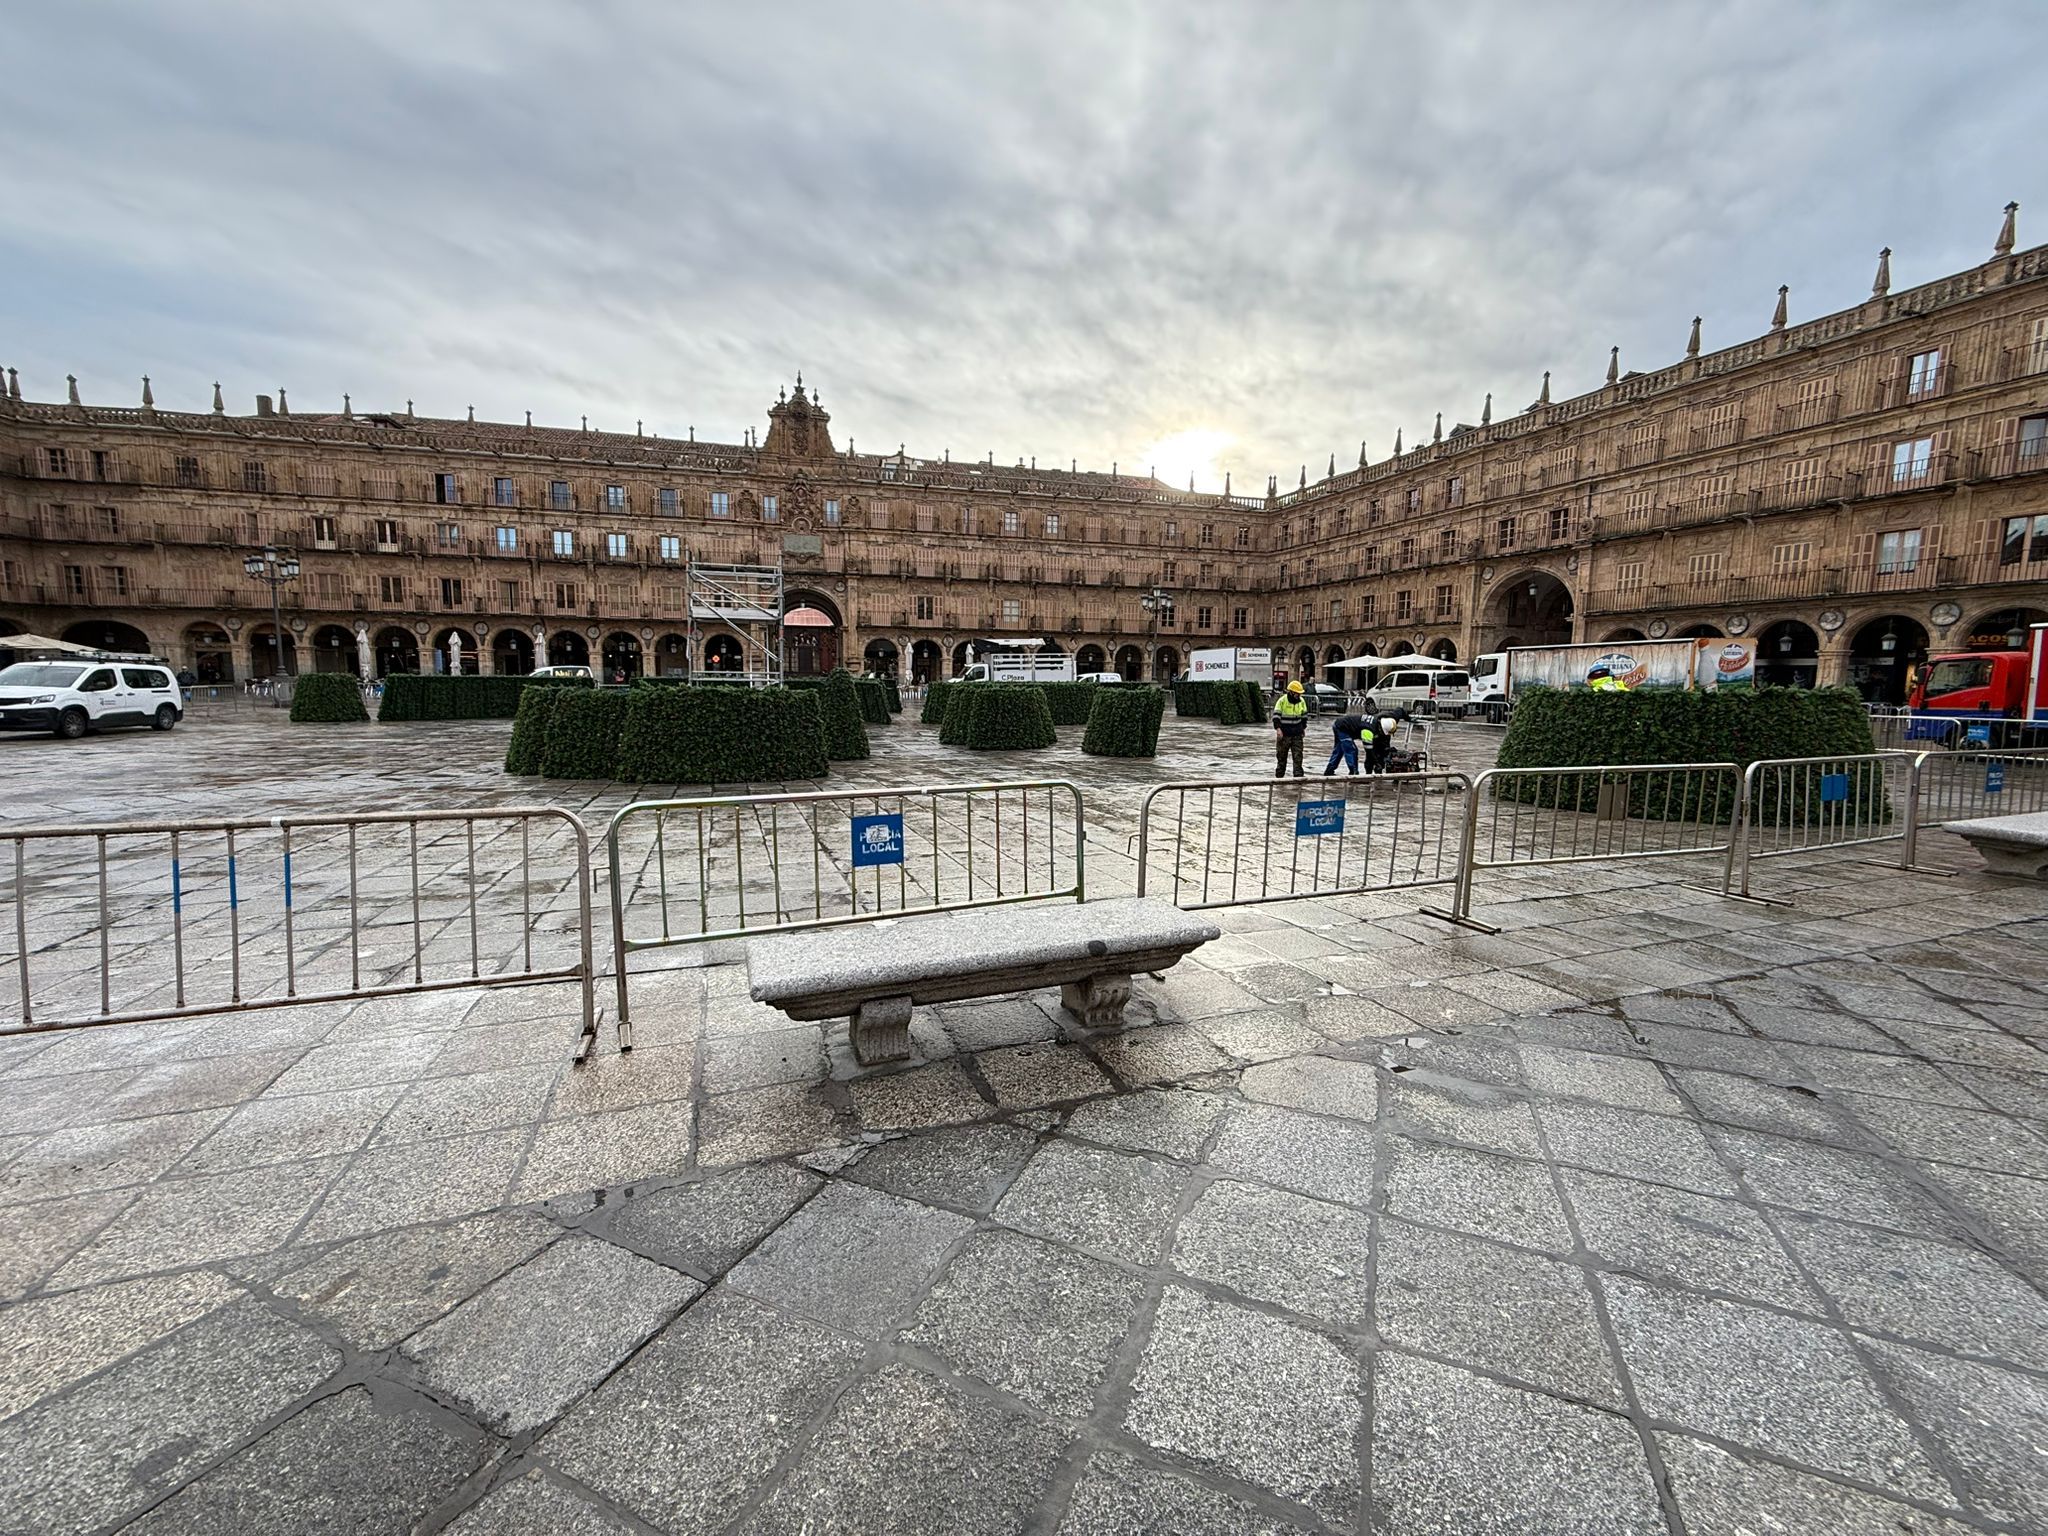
[(1304, 477), (13, 384), (1437, 436), (2008, 232), (1778, 314), (1397, 442), (1226, 483), (148, 398), (1361, 453), (1332, 474), (1613, 364), (347, 410), (283, 406), (1882, 283), (1692, 344), (1486, 411), (1544, 398), (220, 407), (71, 389)]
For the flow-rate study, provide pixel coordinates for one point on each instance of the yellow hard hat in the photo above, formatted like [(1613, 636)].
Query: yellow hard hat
[(1294, 687)]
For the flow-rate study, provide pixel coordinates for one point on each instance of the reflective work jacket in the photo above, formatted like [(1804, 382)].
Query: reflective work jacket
[(1606, 685), (1290, 715)]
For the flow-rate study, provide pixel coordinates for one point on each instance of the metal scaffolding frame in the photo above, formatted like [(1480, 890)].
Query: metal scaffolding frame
[(747, 599)]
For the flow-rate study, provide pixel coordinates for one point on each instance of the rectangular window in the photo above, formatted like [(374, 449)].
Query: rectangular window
[(1642, 441), (721, 504), (1720, 425), (102, 464), (58, 460), (2013, 547), (671, 599), (1368, 609), (1447, 543), (1415, 499), (1052, 525), (508, 595), (926, 607), (1628, 576), (506, 539), (1706, 567), (1404, 606), (451, 591), (665, 500), (1336, 610), (387, 533), (615, 497), (186, 471), (74, 581), (1791, 559), (1204, 617), (923, 519), (565, 594), (1711, 490), (113, 581), (831, 514), (558, 495), (1911, 460), (502, 492), (254, 476), (1802, 478), (1240, 618), (1811, 402), (1206, 536), (615, 546), (565, 543), (1407, 551), (448, 535), (328, 585), (1013, 610), (1244, 538), (445, 491), (1443, 602), (671, 546), (2037, 347), (1010, 522), (1308, 614), (1454, 491), (1172, 530), (1923, 374), (1898, 552), (771, 510), (2033, 443), (1560, 523), (1504, 533), (1370, 559), (618, 597), (391, 589), (1636, 509), (2038, 550), (323, 532), (1372, 513)]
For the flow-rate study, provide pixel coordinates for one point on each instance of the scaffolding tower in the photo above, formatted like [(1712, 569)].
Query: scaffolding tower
[(747, 599)]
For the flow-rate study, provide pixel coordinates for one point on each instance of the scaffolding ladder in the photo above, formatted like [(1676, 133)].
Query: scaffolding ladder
[(747, 599)]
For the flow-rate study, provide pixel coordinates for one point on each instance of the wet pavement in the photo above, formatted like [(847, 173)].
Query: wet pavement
[(1652, 1212)]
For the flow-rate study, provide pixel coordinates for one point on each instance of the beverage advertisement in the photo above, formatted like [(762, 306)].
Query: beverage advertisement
[(1722, 662)]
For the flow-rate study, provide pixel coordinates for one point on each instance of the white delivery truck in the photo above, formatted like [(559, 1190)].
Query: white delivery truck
[(1233, 664), (1017, 661), (1499, 676)]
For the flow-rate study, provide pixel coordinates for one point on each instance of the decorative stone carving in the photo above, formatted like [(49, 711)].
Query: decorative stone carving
[(1098, 1001)]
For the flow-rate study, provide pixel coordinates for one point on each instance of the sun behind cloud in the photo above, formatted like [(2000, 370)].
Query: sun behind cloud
[(1193, 451)]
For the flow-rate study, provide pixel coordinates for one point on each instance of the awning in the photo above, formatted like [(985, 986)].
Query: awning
[(45, 643), (807, 618), (1409, 663)]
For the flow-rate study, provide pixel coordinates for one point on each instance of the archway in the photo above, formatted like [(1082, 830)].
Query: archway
[(1165, 665), (1613, 636), (925, 661), (511, 651), (1305, 664), (672, 655), (1130, 663), (723, 653), (8, 655), (210, 654), (1698, 632), (961, 656), (107, 635), (397, 650), (445, 648), (621, 657), (1788, 655), (263, 653), (1880, 653), (1444, 650), (1331, 656), (1090, 658), (1367, 649), (810, 634), (1402, 648), (567, 648), (1535, 605), (879, 658), (334, 649), (1996, 631)]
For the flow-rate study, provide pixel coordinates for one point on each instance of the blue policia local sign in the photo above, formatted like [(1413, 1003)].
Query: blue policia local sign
[(1318, 818), (877, 840)]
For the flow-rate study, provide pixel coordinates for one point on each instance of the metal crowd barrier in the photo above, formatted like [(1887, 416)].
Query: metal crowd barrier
[(1803, 804), (1530, 816), (1238, 842), (1898, 731), (176, 919), (731, 866), (1955, 786)]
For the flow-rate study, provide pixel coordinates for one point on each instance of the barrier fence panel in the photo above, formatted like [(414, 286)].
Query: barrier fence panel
[(723, 867), (1894, 730), (166, 919), (1531, 816), (1800, 804), (1234, 842), (1956, 786)]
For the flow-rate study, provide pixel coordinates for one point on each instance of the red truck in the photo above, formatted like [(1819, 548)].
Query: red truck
[(2000, 697)]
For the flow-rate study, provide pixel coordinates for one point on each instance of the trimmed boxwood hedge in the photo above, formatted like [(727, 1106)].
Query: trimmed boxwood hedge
[(328, 696), (1069, 702), (955, 712), (935, 693), (1567, 728), (889, 691), (582, 739), (1006, 717), (414, 696), (721, 735), (530, 729), (1124, 722), (1233, 703), (874, 701), (846, 738)]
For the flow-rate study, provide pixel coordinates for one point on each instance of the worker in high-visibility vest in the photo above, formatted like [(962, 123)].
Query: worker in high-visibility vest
[(1290, 724), (1600, 680)]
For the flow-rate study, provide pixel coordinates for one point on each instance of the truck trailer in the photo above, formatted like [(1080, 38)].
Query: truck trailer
[(1233, 664), (1499, 676)]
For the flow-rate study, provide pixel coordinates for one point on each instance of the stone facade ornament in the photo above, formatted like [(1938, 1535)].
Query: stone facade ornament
[(1738, 624), (220, 406), (1882, 284), (1944, 614), (1659, 629), (2008, 232), (1692, 342), (1778, 314), (1831, 619), (71, 388), (419, 626), (1613, 364)]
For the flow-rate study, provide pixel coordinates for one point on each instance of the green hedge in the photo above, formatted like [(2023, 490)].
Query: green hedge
[(956, 711), (1069, 702), (530, 729), (414, 696), (1006, 717), (328, 696), (846, 739), (719, 735), (1124, 722), (1569, 728), (888, 682), (874, 701), (1231, 703), (582, 739), (935, 693)]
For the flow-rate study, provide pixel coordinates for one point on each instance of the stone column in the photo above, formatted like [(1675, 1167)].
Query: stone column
[(486, 659), (1833, 667)]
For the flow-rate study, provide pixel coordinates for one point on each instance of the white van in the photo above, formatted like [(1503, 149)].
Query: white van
[(69, 698), (1440, 690)]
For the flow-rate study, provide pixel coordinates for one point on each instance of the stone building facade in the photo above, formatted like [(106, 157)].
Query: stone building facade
[(1851, 491)]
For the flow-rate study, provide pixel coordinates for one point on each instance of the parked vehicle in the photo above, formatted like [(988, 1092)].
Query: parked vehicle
[(1234, 664), (70, 698), (1325, 699), (1105, 678), (2001, 697), (1421, 684), (581, 673), (1499, 677), (1017, 661)]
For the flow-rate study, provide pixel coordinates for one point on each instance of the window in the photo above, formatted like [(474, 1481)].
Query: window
[(1206, 535), (1447, 543), (1370, 560), (505, 539), (2015, 545), (1898, 552), (328, 585), (1802, 478), (74, 580), (1244, 538), (615, 546), (1811, 402), (445, 491), (98, 682), (721, 504), (1172, 530), (1240, 618), (1308, 614), (1911, 460), (565, 543), (1560, 523), (1791, 559), (1010, 522), (1923, 374), (1414, 498), (771, 510), (1454, 491), (252, 528), (451, 591), (1368, 609), (1170, 569), (1628, 576), (106, 519), (665, 500), (508, 594), (1404, 606), (254, 476), (448, 535), (387, 533), (565, 594), (671, 546), (186, 470), (1504, 533), (1642, 442), (1204, 617), (558, 495), (1704, 567), (671, 599), (615, 497), (832, 514), (323, 532), (1372, 513), (1407, 551), (1336, 610), (391, 589), (102, 464), (1709, 490), (925, 607), (1052, 525), (2037, 350), (502, 492), (58, 460), (113, 581), (617, 596), (2033, 441), (1720, 425), (1443, 601), (1013, 610), (1636, 508)]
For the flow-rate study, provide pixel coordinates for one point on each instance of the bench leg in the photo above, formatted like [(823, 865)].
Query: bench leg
[(1098, 1002), (880, 1031)]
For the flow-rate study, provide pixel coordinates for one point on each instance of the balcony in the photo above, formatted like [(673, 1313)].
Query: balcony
[(1716, 434)]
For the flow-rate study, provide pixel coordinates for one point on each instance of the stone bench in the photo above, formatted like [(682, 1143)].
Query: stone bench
[(873, 974), (2011, 845)]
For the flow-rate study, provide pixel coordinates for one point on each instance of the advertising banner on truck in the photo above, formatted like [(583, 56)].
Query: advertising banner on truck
[(1633, 664), (1244, 664)]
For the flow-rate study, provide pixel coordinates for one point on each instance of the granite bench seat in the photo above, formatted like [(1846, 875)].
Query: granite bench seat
[(2010, 845), (873, 974)]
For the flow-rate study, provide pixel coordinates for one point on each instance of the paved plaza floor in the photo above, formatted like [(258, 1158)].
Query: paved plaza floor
[(1653, 1212)]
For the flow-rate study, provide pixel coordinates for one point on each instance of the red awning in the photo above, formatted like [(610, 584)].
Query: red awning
[(807, 618)]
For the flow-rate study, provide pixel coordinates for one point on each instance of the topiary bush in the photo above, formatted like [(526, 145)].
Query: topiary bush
[(1229, 704), (846, 738), (718, 735), (1124, 722), (958, 709), (413, 696), (530, 729), (1198, 700), (874, 701), (1069, 702), (1569, 728), (1007, 717), (328, 696), (582, 739), (895, 697), (1252, 704), (935, 694)]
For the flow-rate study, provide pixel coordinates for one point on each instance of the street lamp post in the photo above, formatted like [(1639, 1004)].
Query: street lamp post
[(1159, 604), (276, 569)]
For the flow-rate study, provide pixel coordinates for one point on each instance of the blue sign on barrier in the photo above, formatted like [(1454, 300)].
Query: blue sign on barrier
[(1978, 733), (877, 840), (1994, 778), (1833, 787), (1318, 818)]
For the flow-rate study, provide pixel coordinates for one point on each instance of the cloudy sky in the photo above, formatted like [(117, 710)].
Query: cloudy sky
[(1234, 236)]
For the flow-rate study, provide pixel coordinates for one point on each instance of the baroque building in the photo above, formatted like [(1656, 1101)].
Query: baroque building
[(1851, 492)]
